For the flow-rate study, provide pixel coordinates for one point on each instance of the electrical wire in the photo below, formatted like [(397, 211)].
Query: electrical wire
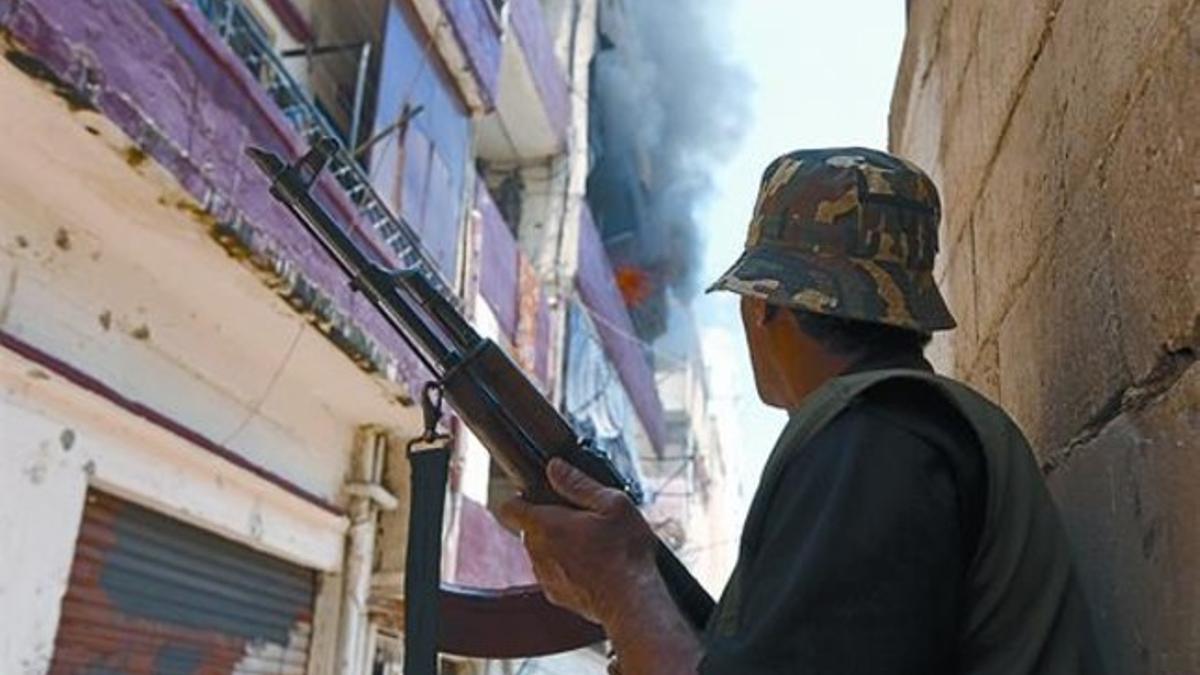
[(594, 396), (662, 485), (620, 331), (694, 550), (256, 407)]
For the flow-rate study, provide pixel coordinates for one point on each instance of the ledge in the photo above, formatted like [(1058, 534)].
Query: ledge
[(529, 25), (158, 72)]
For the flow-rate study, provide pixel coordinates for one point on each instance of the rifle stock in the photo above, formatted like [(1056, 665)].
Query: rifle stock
[(491, 395)]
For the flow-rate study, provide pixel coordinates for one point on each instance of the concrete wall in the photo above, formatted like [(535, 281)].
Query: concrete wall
[(1064, 136), (59, 441), (138, 358)]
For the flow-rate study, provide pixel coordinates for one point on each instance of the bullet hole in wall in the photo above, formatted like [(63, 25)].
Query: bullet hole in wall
[(135, 156)]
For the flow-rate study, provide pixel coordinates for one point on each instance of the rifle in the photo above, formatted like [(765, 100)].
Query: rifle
[(520, 428)]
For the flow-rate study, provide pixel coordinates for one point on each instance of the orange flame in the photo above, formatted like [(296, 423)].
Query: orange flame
[(634, 284)]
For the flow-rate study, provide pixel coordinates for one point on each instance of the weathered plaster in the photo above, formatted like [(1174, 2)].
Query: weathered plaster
[(1129, 498), (184, 100), (59, 441), (142, 300)]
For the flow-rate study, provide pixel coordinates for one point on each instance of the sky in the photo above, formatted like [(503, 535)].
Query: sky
[(822, 75)]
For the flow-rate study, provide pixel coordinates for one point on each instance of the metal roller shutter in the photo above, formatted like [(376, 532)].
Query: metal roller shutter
[(149, 594)]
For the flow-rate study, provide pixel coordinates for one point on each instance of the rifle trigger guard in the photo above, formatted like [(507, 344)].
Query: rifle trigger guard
[(432, 395)]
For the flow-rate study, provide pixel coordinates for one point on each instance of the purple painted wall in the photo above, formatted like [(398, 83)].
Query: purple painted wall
[(529, 24), (598, 289), (489, 556), (160, 73), (498, 262), (478, 35)]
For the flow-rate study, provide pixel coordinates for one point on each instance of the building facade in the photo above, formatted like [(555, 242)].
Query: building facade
[(205, 427), (1063, 134), (694, 506)]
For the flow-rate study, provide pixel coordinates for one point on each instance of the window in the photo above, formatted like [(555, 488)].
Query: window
[(420, 164)]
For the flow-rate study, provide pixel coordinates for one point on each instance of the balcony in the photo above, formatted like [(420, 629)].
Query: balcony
[(466, 35), (233, 24), (533, 105), (190, 85)]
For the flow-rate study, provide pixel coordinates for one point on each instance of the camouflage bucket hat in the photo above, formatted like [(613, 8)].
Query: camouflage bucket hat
[(848, 232)]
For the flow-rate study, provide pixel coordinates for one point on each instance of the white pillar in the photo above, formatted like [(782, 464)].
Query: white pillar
[(367, 497)]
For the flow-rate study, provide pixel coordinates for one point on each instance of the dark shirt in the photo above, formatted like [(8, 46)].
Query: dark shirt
[(860, 564)]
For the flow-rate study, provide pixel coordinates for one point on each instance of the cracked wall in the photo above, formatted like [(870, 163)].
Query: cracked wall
[(1064, 136)]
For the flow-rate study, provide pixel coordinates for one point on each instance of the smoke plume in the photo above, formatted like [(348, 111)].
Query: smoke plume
[(668, 107)]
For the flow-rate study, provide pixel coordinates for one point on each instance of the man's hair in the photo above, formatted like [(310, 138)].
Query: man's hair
[(849, 337)]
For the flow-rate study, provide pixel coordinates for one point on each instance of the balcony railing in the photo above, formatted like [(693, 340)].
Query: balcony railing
[(239, 30)]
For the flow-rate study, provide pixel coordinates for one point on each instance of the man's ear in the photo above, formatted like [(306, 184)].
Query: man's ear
[(757, 311), (770, 312), (747, 309)]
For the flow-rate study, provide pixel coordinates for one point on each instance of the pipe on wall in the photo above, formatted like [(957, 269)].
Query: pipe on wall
[(367, 497)]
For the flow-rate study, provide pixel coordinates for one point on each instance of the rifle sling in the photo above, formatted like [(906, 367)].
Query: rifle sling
[(423, 559)]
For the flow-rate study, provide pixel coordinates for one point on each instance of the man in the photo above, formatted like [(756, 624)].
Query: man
[(900, 525)]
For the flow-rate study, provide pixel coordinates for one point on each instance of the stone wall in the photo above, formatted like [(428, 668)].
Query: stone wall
[(1065, 135)]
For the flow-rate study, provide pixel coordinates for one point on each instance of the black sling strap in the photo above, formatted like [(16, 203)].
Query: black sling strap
[(429, 461)]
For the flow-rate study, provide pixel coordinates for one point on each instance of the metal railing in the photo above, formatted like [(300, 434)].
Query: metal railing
[(241, 32)]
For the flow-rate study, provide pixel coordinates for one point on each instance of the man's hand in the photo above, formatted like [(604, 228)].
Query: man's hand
[(598, 560), (595, 560)]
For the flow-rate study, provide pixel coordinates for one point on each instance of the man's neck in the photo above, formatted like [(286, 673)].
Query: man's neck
[(815, 378), (887, 361)]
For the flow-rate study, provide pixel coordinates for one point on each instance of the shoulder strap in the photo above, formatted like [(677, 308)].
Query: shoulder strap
[(817, 411)]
